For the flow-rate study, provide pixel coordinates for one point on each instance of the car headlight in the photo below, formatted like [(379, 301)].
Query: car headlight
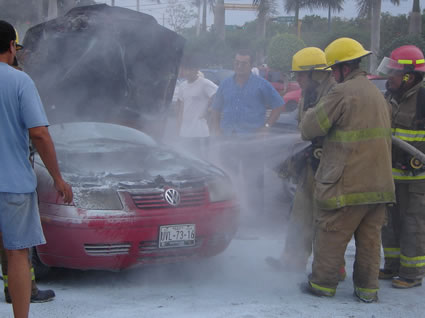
[(97, 199), (220, 190)]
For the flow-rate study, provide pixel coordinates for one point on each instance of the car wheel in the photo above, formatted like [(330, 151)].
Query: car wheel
[(290, 106), (40, 270)]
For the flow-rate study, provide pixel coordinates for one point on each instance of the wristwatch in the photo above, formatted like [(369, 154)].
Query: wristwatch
[(267, 125)]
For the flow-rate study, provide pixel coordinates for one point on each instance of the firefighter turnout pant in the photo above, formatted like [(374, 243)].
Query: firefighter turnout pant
[(403, 237), (334, 230), (300, 230)]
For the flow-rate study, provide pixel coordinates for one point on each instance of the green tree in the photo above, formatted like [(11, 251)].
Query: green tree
[(412, 39), (281, 49), (393, 27)]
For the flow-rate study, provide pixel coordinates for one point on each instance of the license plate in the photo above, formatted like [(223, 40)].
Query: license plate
[(178, 235)]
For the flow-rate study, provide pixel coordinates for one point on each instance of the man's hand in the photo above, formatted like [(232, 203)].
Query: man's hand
[(43, 143), (64, 190)]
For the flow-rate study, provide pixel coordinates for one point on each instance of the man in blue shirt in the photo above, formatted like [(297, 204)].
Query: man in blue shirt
[(241, 101), (22, 118), (239, 115)]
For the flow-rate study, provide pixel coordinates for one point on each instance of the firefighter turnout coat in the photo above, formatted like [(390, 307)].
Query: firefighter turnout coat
[(353, 181), (299, 239), (404, 236), (355, 168)]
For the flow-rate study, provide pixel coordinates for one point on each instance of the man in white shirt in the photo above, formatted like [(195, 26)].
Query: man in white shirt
[(193, 99)]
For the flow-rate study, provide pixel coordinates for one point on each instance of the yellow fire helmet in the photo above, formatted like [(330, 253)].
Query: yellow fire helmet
[(344, 50), (309, 59), (18, 46)]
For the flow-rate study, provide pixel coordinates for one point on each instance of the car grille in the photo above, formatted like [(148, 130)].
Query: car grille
[(155, 199), (107, 249)]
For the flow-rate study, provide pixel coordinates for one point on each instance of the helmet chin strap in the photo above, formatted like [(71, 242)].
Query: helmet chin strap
[(341, 73), (405, 79)]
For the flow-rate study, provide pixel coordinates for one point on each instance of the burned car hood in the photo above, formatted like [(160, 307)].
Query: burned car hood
[(102, 63), (114, 156)]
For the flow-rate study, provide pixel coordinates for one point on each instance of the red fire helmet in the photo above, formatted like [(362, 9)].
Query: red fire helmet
[(406, 58)]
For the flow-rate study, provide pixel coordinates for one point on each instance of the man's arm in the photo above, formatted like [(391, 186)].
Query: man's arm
[(42, 141), (274, 115)]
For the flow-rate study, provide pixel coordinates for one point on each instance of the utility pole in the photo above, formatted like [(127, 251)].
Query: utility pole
[(138, 5), (52, 11), (113, 3)]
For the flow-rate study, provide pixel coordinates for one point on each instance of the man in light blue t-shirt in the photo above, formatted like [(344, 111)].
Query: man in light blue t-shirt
[(22, 118)]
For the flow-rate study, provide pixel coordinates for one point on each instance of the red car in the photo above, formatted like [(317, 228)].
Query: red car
[(135, 202)]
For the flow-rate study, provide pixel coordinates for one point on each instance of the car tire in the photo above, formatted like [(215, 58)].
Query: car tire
[(290, 106), (40, 270)]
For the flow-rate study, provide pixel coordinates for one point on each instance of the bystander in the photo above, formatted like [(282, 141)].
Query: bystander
[(22, 118), (239, 117), (193, 99)]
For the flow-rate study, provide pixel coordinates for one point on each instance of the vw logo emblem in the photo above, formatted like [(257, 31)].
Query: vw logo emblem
[(172, 197)]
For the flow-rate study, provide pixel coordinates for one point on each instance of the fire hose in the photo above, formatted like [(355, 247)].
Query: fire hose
[(418, 157)]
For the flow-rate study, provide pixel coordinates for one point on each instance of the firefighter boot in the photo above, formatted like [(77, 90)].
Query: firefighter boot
[(316, 290), (404, 283), (386, 273), (365, 295)]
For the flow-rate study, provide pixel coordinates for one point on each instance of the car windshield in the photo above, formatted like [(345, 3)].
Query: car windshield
[(85, 133), (98, 150)]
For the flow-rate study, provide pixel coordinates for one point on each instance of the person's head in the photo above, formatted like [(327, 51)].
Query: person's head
[(7, 42), (190, 67), (242, 63), (343, 56), (307, 62), (404, 68)]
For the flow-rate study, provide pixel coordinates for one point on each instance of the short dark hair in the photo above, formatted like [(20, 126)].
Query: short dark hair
[(7, 34), (246, 52)]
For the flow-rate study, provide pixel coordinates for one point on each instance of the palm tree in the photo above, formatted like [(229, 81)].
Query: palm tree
[(372, 9), (219, 19), (331, 5), (52, 11), (296, 5), (415, 23), (264, 9)]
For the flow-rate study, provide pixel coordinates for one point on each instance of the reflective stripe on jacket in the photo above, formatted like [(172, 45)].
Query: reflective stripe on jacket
[(408, 127), (355, 166)]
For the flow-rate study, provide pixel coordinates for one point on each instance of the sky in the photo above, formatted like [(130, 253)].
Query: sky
[(240, 17)]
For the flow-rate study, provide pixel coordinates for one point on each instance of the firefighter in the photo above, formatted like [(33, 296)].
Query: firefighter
[(403, 237), (37, 295), (309, 67), (353, 182)]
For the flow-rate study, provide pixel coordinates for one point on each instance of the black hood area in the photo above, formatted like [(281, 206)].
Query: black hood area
[(104, 63)]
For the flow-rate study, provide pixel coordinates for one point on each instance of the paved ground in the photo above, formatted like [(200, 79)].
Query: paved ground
[(235, 284)]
